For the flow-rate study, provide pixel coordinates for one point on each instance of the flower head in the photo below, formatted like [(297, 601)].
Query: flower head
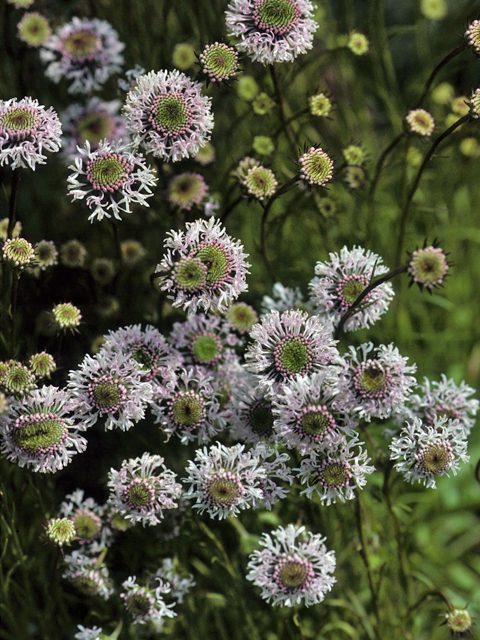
[(26, 130), (89, 520), (132, 252), (428, 267), (46, 254), (260, 182), (18, 252), (475, 104), (293, 567), (40, 431), (42, 364), (284, 299), (219, 62), (253, 412), (85, 51), (472, 36), (272, 30), (421, 122), (73, 254), (358, 43), (88, 576), (262, 104), (34, 29), (316, 167), (241, 317), (60, 531), (146, 604), (354, 155), (320, 105), (186, 190), (143, 488), (66, 316), (459, 622), (339, 282), (183, 56), (17, 379), (167, 115), (203, 267)]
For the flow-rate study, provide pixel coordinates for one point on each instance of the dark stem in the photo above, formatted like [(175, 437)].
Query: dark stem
[(13, 310), (349, 312), (428, 594), (13, 202), (118, 247), (231, 207), (416, 182), (461, 47), (281, 101)]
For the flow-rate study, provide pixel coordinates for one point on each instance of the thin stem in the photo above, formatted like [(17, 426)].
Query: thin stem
[(416, 182), (461, 47), (281, 101), (428, 594), (349, 312), (13, 310), (118, 246), (13, 202), (231, 207)]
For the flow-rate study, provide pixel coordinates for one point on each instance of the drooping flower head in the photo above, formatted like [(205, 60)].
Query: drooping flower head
[(87, 575), (339, 282), (316, 167), (272, 30), (143, 488), (167, 115), (460, 623), (146, 604), (428, 266), (26, 130), (112, 178), (294, 567), (186, 190), (219, 62), (203, 267), (84, 51), (421, 122), (34, 29), (40, 431)]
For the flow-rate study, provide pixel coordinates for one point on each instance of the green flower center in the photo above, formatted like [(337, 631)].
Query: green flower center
[(293, 573), (81, 45), (315, 422), (108, 172), (187, 410), (19, 122), (87, 525), (39, 434), (349, 288), (61, 531), (435, 457), (170, 114), (139, 494), (107, 394), (95, 127), (334, 474), (276, 16), (242, 316), (260, 182), (218, 262), (140, 604), (219, 61), (206, 349), (293, 356), (191, 274), (260, 418), (86, 585), (144, 356), (316, 167), (372, 380), (186, 190), (224, 489)]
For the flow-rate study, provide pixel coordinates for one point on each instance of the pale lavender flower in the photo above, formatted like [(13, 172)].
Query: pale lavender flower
[(334, 473), (130, 78), (339, 282), (276, 471), (289, 345), (428, 451), (224, 480), (284, 299), (253, 412), (167, 115), (111, 178), (187, 190), (26, 130), (308, 413), (86, 52), (146, 604), (203, 267), (89, 520), (110, 386), (143, 488), (40, 431), (95, 633), (377, 384), (294, 567), (180, 585), (272, 30), (88, 575), (97, 120)]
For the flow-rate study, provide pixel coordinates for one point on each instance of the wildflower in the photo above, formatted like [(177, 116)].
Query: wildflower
[(219, 62), (333, 473), (40, 430), (96, 121), (263, 145), (421, 122), (21, 4), (262, 104), (272, 30), (88, 576), (206, 154), (179, 586), (354, 177), (247, 88), (459, 623), (459, 105), (66, 316), (143, 488), (18, 252), (34, 29), (426, 452), (472, 36), (428, 266), (284, 298), (167, 114), (146, 604), (358, 43), (320, 105), (443, 93), (60, 531), (276, 470), (253, 412), (17, 229), (18, 380), (186, 190), (224, 480), (183, 56), (308, 414), (127, 83), (202, 339), (73, 254), (26, 130), (243, 168), (203, 267), (434, 9), (294, 566), (89, 634), (339, 282), (354, 155), (260, 182), (469, 147), (85, 52), (132, 252), (3, 403), (316, 167), (112, 178), (375, 387), (46, 254), (241, 316), (287, 346), (87, 517), (475, 104), (42, 364)]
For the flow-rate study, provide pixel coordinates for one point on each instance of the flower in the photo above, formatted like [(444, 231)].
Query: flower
[(40, 431), (426, 452), (475, 104), (186, 190), (354, 177), (472, 35), (206, 154), (183, 56), (203, 267), (26, 130), (241, 317), (434, 9), (89, 634), (73, 254), (224, 480), (18, 380), (129, 80), (34, 29), (260, 182), (358, 43), (316, 167), (66, 316), (46, 254), (272, 30), (428, 267), (354, 155), (18, 252), (219, 62), (287, 346), (179, 586), (103, 270), (88, 519), (253, 412), (421, 122), (87, 52), (247, 88), (276, 470), (17, 229), (375, 387), (132, 252), (112, 178), (42, 364), (88, 576), (167, 115), (459, 622), (285, 298), (146, 604), (263, 145), (333, 473), (320, 105), (110, 385), (96, 121), (21, 4), (142, 489), (262, 104), (60, 531), (339, 282), (294, 566)]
